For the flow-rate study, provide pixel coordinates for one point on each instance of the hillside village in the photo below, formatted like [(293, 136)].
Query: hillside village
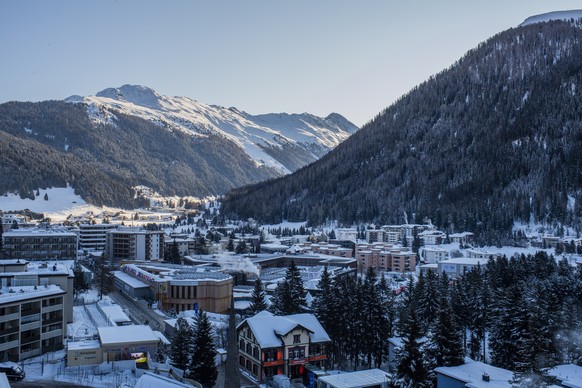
[(148, 275)]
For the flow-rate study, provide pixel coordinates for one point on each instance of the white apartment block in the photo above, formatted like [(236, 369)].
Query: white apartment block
[(32, 321), (93, 237), (40, 244), (135, 243)]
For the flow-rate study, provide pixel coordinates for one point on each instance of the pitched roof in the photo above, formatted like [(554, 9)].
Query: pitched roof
[(268, 328)]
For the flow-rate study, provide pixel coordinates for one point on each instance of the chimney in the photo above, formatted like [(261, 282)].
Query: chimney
[(485, 377)]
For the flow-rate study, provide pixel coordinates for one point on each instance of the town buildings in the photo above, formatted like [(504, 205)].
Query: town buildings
[(40, 244), (32, 321), (176, 287), (270, 345), (93, 237), (385, 257), (135, 243)]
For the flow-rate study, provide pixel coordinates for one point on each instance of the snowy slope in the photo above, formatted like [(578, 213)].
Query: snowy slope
[(557, 15), (316, 135)]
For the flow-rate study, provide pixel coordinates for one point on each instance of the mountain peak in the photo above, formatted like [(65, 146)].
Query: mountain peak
[(550, 16), (135, 94)]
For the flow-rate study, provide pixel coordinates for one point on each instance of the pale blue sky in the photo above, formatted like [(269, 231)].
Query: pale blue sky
[(318, 56)]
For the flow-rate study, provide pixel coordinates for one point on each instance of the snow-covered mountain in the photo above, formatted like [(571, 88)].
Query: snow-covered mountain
[(282, 141), (556, 15)]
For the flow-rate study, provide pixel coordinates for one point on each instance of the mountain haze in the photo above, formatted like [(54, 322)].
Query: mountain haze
[(493, 139)]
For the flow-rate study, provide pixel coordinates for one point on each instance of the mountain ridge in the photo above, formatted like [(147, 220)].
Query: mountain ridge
[(260, 136)]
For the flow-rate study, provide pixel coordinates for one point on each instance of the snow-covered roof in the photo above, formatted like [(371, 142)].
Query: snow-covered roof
[(267, 328), (129, 280), (152, 380), (88, 344), (465, 261), (472, 374), (570, 375), (460, 235), (13, 294), (114, 313), (362, 378), (126, 334), (54, 231), (161, 337)]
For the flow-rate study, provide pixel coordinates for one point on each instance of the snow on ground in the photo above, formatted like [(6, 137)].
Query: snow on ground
[(62, 202)]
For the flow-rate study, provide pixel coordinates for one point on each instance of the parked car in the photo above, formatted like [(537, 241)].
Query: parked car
[(12, 370)]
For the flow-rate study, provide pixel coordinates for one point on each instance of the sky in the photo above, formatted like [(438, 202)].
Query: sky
[(262, 56)]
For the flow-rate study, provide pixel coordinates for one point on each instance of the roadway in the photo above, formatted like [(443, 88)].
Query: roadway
[(139, 312)]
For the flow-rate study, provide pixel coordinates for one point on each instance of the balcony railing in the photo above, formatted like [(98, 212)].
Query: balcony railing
[(28, 340)]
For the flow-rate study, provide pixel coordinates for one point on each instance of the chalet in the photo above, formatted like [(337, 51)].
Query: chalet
[(271, 345)]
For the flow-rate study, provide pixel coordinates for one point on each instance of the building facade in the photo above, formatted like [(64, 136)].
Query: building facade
[(134, 243), (93, 237), (271, 345), (385, 257), (40, 244), (32, 321)]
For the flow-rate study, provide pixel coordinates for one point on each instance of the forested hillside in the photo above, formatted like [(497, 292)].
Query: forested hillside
[(493, 139), (50, 143)]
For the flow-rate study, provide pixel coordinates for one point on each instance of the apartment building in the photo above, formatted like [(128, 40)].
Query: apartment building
[(32, 321), (93, 237), (385, 257), (20, 273), (324, 248), (135, 243), (270, 345), (40, 244)]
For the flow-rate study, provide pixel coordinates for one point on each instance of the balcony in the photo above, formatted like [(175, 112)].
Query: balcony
[(8, 331), (9, 317), (8, 345), (30, 339), (54, 307), (25, 313), (30, 326), (50, 321), (30, 353), (51, 334)]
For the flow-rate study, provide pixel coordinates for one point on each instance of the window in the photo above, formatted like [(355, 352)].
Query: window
[(296, 338)]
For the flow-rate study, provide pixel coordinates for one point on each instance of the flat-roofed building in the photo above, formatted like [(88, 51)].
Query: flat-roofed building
[(385, 257), (184, 288), (93, 237), (40, 244), (135, 243), (32, 321)]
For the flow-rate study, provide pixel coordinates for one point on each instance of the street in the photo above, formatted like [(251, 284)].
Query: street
[(139, 311)]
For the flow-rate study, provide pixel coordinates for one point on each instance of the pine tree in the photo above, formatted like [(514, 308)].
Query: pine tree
[(445, 345), (173, 253), (241, 247), (281, 301), (258, 302), (411, 369), (181, 345), (161, 352), (80, 283), (230, 245), (102, 276), (202, 364)]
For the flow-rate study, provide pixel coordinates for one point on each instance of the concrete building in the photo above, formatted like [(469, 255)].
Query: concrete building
[(347, 234), (40, 244), (127, 342), (432, 255), (454, 268), (135, 243), (18, 273), (270, 345), (93, 237), (461, 238), (182, 288), (32, 321), (385, 257)]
